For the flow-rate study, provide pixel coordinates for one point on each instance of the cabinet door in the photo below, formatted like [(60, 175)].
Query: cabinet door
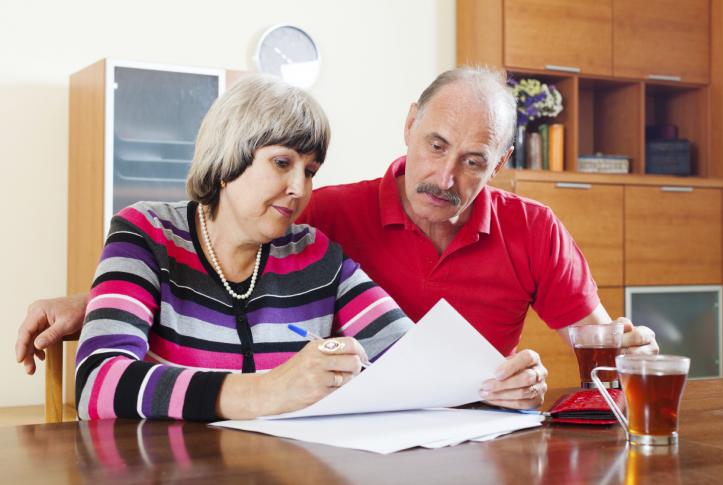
[(548, 34), (672, 237), (667, 38), (594, 216), (555, 353), (156, 117)]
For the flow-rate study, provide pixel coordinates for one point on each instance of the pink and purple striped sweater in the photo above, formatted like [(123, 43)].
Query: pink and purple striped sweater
[(161, 332)]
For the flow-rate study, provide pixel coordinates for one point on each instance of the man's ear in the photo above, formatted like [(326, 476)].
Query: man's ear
[(411, 117), (503, 160)]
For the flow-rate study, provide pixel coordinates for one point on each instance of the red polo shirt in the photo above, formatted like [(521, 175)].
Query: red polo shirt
[(512, 253)]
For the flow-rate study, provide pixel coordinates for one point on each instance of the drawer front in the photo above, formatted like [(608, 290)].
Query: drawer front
[(672, 236), (594, 216)]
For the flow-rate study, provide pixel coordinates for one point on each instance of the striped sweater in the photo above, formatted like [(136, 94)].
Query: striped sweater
[(161, 332)]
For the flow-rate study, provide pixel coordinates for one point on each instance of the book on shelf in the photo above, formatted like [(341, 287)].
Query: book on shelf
[(556, 147), (544, 132), (601, 163), (518, 155), (534, 151)]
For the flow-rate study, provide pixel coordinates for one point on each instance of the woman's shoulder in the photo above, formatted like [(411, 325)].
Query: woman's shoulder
[(300, 236), (303, 240), (150, 217)]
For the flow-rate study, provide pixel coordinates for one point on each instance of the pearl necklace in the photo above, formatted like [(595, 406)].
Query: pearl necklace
[(217, 267)]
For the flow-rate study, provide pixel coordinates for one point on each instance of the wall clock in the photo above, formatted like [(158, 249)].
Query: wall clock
[(289, 52)]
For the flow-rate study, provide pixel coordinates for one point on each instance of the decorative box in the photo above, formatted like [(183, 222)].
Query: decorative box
[(600, 163), (670, 157)]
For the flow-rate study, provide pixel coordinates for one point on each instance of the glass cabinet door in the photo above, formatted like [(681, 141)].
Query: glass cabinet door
[(686, 321), (156, 116)]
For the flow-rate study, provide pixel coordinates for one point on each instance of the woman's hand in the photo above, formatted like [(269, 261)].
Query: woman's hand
[(315, 371), (46, 323)]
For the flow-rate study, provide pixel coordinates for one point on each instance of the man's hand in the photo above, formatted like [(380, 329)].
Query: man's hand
[(637, 339), (47, 322), (519, 382)]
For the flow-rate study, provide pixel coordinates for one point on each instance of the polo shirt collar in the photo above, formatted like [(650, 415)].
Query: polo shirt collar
[(392, 212)]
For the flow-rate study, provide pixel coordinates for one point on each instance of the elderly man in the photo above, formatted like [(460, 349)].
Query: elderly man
[(431, 228)]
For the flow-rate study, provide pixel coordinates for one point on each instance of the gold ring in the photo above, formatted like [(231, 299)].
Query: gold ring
[(331, 346), (338, 380), (538, 374)]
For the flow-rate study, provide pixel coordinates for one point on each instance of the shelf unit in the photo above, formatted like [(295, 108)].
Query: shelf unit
[(609, 115), (620, 65), (607, 108)]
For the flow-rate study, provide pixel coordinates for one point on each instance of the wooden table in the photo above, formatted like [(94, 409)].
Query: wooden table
[(143, 452)]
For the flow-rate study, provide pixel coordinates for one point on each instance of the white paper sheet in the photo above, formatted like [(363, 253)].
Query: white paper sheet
[(441, 362), (388, 432), (456, 441)]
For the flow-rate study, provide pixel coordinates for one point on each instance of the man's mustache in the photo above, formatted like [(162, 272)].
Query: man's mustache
[(448, 195)]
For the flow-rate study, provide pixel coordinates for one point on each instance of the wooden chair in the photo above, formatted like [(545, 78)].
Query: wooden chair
[(54, 380)]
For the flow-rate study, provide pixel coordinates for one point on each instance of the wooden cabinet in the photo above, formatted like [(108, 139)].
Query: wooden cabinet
[(644, 39), (634, 230), (672, 236), (661, 39), (131, 136), (626, 56), (572, 35), (556, 354), (594, 216)]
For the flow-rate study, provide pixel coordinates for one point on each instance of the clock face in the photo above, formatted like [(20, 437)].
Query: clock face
[(290, 53)]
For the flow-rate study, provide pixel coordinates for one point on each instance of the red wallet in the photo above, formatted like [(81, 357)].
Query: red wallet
[(585, 407)]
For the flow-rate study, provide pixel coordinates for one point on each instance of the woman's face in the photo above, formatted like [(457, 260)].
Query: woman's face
[(270, 194)]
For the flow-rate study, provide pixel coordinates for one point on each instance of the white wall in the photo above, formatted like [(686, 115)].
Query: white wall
[(377, 57)]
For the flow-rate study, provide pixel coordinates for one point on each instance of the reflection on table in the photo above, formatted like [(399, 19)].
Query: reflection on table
[(147, 451)]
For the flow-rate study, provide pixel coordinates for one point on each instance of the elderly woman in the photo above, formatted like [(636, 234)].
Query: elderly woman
[(191, 300)]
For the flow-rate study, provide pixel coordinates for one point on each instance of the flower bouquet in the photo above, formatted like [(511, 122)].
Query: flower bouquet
[(535, 100)]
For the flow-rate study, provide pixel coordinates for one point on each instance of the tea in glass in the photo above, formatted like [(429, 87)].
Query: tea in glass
[(596, 346), (653, 387)]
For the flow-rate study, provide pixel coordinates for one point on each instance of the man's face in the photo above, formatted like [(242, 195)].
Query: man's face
[(452, 152)]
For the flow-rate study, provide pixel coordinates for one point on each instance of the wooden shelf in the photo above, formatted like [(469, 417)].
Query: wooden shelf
[(509, 177), (688, 109), (567, 85), (611, 119)]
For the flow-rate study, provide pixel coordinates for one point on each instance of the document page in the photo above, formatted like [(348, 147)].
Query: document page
[(440, 362), (389, 432)]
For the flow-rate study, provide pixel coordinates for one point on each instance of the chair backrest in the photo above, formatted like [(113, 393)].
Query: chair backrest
[(54, 380)]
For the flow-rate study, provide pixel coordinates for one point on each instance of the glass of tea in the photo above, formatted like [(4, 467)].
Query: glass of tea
[(596, 346), (653, 386)]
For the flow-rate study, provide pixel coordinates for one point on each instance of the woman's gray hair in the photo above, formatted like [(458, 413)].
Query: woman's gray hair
[(491, 86), (257, 111)]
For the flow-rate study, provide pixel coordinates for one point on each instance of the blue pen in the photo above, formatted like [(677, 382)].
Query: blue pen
[(312, 336)]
